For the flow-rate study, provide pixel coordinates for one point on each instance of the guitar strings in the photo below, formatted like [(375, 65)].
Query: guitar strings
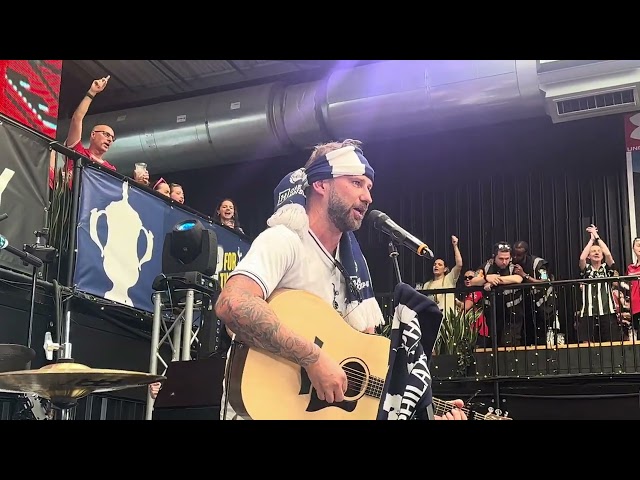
[(359, 378), (357, 373)]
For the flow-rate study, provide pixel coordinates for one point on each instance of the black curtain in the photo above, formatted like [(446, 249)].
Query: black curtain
[(530, 180)]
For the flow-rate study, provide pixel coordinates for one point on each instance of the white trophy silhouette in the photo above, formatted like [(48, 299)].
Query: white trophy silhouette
[(5, 178), (120, 252)]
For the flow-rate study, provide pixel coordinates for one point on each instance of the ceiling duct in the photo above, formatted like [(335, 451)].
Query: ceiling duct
[(384, 100), (195, 132), (577, 89)]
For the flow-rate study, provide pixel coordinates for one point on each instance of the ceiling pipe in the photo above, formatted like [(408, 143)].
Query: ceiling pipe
[(383, 100)]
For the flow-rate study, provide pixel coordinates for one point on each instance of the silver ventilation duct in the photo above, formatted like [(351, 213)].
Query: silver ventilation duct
[(384, 100)]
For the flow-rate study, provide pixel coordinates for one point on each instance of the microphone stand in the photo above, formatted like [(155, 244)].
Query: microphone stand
[(393, 254)]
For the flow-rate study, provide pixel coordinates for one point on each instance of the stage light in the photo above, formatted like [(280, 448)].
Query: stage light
[(190, 247), (189, 261)]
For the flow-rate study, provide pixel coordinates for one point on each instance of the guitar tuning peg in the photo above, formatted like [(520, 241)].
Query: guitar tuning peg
[(506, 414), (498, 411), (490, 409)]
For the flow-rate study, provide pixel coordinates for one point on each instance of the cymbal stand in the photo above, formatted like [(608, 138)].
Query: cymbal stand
[(61, 412), (63, 347)]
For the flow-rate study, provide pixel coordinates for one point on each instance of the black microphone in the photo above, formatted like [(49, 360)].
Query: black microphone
[(382, 222), (26, 257)]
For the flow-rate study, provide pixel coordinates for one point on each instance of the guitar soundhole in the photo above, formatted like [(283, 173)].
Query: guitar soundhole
[(357, 376)]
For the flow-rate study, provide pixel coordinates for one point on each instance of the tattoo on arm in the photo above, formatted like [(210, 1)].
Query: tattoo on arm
[(255, 323)]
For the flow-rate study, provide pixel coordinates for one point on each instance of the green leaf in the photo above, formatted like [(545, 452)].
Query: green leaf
[(458, 336)]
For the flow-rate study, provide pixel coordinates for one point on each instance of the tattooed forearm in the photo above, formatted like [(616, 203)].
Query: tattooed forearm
[(255, 324)]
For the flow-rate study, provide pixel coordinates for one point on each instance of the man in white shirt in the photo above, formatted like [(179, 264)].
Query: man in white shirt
[(306, 257)]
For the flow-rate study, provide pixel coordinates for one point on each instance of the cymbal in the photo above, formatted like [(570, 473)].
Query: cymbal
[(65, 383), (15, 357)]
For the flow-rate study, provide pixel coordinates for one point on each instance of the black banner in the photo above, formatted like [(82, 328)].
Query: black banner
[(24, 166)]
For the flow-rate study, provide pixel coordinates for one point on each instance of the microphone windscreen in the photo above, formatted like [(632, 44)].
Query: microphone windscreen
[(377, 217)]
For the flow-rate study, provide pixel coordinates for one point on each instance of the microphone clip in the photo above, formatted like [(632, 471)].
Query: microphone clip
[(393, 251)]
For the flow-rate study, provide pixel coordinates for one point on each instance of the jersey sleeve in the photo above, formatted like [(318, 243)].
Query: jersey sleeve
[(270, 256)]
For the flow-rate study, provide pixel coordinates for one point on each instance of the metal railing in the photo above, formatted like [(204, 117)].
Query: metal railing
[(534, 330)]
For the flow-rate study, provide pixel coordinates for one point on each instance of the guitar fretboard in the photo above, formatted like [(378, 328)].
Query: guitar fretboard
[(440, 407)]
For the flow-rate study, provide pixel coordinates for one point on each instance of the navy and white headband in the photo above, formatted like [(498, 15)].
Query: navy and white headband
[(343, 161), (347, 160)]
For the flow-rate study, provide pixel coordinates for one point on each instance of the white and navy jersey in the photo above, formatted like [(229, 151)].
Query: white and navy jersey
[(596, 297)]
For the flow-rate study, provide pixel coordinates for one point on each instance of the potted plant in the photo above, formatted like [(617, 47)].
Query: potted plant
[(453, 351)]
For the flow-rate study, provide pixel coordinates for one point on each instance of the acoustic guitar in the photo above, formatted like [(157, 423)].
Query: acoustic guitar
[(263, 386)]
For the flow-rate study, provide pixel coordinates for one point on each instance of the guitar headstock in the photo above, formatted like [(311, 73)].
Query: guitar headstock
[(496, 414)]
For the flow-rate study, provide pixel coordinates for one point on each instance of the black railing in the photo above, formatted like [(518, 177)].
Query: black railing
[(535, 330)]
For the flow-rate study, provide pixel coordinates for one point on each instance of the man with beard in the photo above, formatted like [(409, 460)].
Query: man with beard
[(499, 270), (102, 136), (307, 253)]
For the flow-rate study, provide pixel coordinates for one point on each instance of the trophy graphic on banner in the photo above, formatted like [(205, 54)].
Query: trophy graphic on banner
[(5, 178), (120, 252)]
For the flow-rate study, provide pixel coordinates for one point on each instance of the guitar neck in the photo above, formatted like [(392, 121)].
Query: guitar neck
[(440, 407)]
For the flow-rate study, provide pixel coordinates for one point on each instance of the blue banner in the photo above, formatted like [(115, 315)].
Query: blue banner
[(121, 232)]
